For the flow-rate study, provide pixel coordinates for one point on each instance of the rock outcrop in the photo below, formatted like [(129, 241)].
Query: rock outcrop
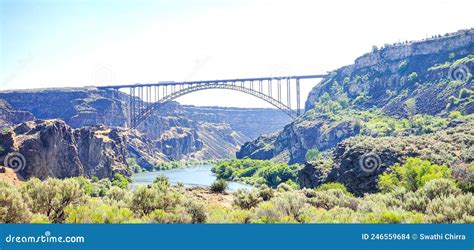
[(431, 77), (247, 121), (9, 116), (180, 132), (357, 162), (51, 148), (406, 79), (298, 137)]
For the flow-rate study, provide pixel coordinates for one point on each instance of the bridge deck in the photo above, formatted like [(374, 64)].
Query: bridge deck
[(211, 81)]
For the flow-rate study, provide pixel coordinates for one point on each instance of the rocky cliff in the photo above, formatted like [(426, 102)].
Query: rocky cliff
[(430, 77), (179, 132), (250, 122), (9, 116), (51, 148), (358, 161)]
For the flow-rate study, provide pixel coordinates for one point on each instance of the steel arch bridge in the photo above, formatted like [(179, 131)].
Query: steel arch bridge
[(146, 98)]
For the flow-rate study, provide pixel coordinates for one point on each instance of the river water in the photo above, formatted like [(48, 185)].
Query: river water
[(191, 177)]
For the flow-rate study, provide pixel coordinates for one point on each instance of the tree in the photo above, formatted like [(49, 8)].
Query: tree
[(413, 174), (120, 181)]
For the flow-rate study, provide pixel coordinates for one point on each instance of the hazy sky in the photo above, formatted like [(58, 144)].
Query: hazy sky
[(61, 43)]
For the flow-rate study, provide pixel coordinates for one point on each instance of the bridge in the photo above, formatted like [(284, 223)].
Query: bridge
[(148, 97)]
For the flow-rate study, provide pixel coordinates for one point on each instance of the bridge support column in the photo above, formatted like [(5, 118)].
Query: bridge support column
[(298, 109)]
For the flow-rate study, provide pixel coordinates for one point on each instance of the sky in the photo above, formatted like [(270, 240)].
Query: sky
[(59, 43)]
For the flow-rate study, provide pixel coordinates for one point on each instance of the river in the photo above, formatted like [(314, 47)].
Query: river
[(197, 176)]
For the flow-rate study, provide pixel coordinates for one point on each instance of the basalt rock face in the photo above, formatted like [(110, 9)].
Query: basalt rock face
[(78, 107), (406, 79), (102, 151), (178, 132), (296, 138), (247, 121), (48, 147), (51, 148), (358, 161), (430, 77), (9, 116)]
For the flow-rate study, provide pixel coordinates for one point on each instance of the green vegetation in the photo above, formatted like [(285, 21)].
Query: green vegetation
[(412, 175), (335, 186), (402, 65), (133, 164), (168, 165), (312, 154), (256, 172), (183, 164), (120, 181), (415, 192), (219, 186), (412, 76)]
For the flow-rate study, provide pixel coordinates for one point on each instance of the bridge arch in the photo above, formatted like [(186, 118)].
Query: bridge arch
[(146, 98), (141, 116)]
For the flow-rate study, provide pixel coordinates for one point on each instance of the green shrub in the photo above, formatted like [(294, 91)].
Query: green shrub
[(120, 181), (285, 187), (246, 199), (455, 115), (412, 76), (451, 209), (413, 174), (265, 192), (402, 65), (162, 217), (219, 186), (334, 185), (439, 188), (332, 198), (266, 213), (163, 180), (290, 204), (52, 196), (133, 165), (147, 199), (312, 154), (118, 195), (13, 208), (464, 176), (95, 211), (335, 215), (196, 211)]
